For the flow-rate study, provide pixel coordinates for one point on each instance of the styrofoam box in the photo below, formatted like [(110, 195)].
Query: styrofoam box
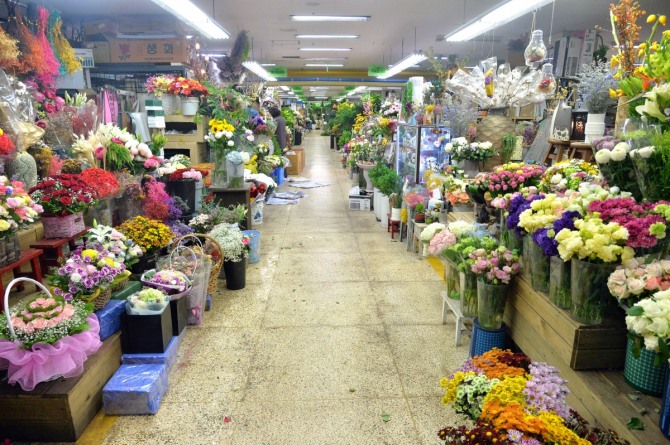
[(360, 202)]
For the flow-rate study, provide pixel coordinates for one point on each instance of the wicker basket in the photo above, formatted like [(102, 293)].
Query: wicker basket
[(63, 226), (120, 282), (211, 247)]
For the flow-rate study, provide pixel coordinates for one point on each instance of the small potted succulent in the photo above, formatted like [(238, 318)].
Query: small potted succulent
[(420, 215)]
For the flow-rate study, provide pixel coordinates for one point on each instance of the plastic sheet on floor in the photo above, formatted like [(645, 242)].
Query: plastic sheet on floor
[(310, 184), (296, 179)]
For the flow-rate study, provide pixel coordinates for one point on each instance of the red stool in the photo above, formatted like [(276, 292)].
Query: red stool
[(392, 226), (30, 255), (53, 248)]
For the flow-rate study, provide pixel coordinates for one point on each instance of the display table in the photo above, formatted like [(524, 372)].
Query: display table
[(226, 197), (53, 248), (59, 411)]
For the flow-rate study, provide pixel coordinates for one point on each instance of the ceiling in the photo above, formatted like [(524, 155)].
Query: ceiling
[(396, 28)]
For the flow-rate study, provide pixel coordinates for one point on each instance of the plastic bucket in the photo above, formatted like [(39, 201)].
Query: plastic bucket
[(254, 245)]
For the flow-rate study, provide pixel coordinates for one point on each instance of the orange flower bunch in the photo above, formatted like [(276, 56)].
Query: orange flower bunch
[(511, 417), (187, 87), (499, 364), (626, 32)]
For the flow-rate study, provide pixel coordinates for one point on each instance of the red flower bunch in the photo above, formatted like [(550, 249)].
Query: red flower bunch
[(638, 219), (187, 87), (64, 194), (102, 181), (483, 433), (6, 145)]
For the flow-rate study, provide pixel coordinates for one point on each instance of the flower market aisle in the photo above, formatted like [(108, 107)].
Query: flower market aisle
[(337, 338)]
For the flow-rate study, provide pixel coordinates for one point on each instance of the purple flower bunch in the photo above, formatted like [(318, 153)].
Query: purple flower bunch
[(496, 266), (545, 237), (86, 271), (258, 124), (518, 204), (517, 437), (545, 390), (468, 366)]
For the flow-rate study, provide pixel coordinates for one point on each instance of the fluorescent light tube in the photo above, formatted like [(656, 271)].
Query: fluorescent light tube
[(285, 88), (496, 17), (324, 49), (193, 16), (356, 90), (258, 70), (320, 97), (268, 64), (324, 64), (326, 36), (330, 18), (405, 63), (322, 59)]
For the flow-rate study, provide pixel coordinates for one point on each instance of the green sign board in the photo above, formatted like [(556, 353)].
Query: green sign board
[(349, 88), (376, 70), (296, 89), (278, 71)]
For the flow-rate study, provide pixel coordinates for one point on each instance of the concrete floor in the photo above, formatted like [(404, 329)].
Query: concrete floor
[(338, 327)]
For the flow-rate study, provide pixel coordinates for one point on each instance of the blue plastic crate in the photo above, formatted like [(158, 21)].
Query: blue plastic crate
[(168, 358), (484, 340), (110, 318), (135, 390)]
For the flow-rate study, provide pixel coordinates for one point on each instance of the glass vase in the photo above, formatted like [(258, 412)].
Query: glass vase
[(235, 174), (547, 83), (538, 264), (559, 282), (468, 294), (508, 237), (588, 291), (219, 174), (525, 258), (491, 300), (453, 280)]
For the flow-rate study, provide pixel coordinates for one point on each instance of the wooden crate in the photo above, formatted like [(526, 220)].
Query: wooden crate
[(581, 346), (185, 124), (197, 151), (62, 409)]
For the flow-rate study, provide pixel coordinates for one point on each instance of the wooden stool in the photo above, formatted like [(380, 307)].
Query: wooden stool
[(581, 150), (556, 151), (392, 226), (30, 255), (53, 248)]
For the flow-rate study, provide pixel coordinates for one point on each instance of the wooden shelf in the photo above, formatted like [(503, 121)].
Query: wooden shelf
[(197, 151), (185, 125)]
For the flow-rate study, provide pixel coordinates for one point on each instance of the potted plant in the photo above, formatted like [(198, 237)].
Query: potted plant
[(235, 250), (595, 81), (64, 198), (420, 216), (388, 182)]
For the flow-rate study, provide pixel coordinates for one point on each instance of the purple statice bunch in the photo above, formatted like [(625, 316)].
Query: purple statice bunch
[(518, 205), (179, 228), (545, 390), (545, 237)]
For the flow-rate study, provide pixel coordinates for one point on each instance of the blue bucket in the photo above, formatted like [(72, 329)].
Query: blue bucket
[(254, 245), (278, 175), (484, 340)]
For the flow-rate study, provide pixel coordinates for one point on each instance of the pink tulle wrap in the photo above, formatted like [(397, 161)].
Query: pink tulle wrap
[(44, 362)]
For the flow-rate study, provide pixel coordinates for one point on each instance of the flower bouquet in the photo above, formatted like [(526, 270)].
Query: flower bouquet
[(87, 275), (159, 84), (390, 107), (103, 182), (17, 209), (118, 245), (172, 282), (651, 167), (616, 164), (235, 250), (428, 233), (512, 177), (639, 278), (148, 301), (461, 150), (150, 235), (568, 175), (514, 401), (186, 87), (47, 330)]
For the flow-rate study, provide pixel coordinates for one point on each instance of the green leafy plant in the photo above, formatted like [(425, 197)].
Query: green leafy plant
[(158, 141), (386, 180), (508, 147)]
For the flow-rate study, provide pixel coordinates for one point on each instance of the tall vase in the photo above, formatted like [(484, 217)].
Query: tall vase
[(469, 302), (170, 103), (235, 174), (219, 174), (471, 167), (369, 188), (491, 299), (595, 126), (452, 278), (375, 204), (384, 209), (539, 266), (589, 292), (622, 112), (640, 372), (395, 214), (559, 282)]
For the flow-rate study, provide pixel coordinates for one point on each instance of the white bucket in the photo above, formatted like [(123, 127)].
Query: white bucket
[(189, 106)]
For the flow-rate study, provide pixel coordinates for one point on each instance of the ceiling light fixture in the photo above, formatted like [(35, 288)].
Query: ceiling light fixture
[(327, 65), (284, 88), (327, 36), (322, 59), (320, 97), (405, 63), (496, 17), (330, 18), (324, 49), (193, 16), (268, 64), (356, 90), (258, 70)]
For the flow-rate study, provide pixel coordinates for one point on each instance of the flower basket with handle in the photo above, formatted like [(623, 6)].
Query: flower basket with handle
[(39, 357), (211, 248)]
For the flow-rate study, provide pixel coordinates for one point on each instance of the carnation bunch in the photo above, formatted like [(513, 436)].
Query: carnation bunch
[(518, 205), (546, 237), (587, 193), (542, 212), (102, 181)]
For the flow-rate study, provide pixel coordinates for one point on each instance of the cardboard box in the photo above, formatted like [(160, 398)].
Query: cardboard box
[(301, 157), (360, 202), (297, 158)]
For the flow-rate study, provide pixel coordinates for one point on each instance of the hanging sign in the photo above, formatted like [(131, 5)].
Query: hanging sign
[(376, 70), (278, 71)]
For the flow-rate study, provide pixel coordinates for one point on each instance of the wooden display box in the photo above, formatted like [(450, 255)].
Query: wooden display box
[(185, 124), (197, 151), (581, 346), (59, 411)]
